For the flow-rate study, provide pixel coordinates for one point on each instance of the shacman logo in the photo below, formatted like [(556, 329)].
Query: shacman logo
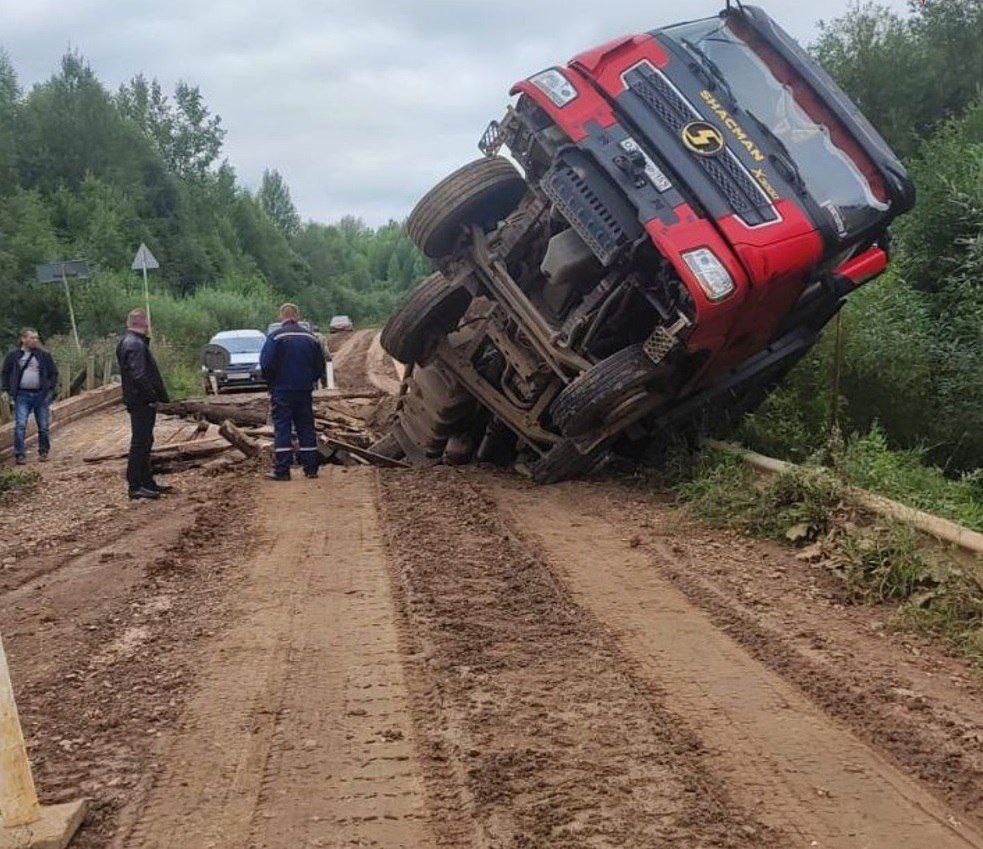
[(703, 138)]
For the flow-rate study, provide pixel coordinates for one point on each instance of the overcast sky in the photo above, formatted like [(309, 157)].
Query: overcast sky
[(361, 104)]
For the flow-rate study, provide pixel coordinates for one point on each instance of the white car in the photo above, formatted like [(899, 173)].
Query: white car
[(231, 359), (340, 323)]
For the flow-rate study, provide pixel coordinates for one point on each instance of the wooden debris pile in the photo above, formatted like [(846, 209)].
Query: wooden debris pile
[(347, 424)]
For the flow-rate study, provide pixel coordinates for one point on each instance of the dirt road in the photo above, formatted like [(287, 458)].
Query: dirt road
[(451, 657)]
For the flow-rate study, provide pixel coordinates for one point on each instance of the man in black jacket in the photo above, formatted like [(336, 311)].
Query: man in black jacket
[(30, 377), (143, 389)]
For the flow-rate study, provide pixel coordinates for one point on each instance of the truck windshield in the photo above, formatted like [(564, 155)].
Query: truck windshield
[(834, 169)]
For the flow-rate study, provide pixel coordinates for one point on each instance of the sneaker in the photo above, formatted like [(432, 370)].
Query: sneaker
[(310, 474), (42, 458), (21, 461), (162, 488), (143, 492), (276, 476)]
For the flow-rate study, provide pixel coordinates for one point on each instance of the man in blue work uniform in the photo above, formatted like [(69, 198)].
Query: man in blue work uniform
[(292, 362)]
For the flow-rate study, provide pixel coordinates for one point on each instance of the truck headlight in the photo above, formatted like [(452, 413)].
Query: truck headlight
[(555, 86), (713, 278)]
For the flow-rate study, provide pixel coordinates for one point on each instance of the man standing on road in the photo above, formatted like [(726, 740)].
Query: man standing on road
[(30, 377), (292, 362), (143, 390)]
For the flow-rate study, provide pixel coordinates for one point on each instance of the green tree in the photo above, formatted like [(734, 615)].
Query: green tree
[(9, 98), (186, 134), (274, 197), (907, 74)]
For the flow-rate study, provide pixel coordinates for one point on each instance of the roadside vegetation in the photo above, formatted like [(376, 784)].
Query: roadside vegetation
[(876, 560), (14, 478), (87, 173)]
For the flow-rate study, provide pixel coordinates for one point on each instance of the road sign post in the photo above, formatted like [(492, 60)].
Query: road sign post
[(71, 310), (144, 261), (51, 272)]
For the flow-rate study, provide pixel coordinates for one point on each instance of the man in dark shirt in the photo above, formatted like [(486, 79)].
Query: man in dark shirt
[(143, 390), (30, 377), (292, 362)]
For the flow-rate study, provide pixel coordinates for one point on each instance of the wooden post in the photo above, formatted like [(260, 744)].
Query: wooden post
[(66, 382), (107, 370), (18, 798), (71, 309), (90, 372), (5, 413)]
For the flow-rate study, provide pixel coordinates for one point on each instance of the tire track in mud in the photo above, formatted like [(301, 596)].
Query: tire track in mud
[(535, 731), (785, 759), (298, 734)]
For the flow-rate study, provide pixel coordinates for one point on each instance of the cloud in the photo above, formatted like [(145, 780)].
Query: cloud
[(361, 105)]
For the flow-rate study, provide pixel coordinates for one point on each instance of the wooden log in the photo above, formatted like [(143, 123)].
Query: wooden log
[(215, 413), (189, 448), (346, 395), (265, 430), (334, 418), (246, 444)]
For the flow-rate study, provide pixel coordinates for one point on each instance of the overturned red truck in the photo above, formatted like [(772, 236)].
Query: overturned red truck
[(694, 205)]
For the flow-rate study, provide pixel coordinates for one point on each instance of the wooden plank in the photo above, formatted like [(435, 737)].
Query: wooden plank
[(18, 798), (363, 453)]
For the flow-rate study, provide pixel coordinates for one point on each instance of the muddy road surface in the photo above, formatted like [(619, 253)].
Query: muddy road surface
[(455, 658)]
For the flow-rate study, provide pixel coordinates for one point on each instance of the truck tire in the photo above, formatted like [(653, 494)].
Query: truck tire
[(434, 307), (592, 395), (562, 462), (480, 193)]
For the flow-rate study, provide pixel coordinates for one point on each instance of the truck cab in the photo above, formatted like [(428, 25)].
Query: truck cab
[(694, 204)]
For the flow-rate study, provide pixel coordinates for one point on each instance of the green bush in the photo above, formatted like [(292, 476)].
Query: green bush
[(725, 490), (877, 560), (869, 462), (11, 479)]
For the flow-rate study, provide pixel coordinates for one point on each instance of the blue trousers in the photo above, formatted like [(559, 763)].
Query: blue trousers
[(293, 410), (30, 401)]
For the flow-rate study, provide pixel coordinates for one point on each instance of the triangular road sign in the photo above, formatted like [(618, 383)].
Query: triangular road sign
[(144, 259)]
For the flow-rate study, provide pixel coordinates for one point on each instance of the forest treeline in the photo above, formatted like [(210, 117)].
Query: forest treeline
[(87, 173)]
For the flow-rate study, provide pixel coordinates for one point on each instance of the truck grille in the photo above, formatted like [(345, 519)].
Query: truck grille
[(585, 211), (726, 174)]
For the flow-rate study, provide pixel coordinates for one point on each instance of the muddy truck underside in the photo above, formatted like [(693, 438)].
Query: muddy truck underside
[(694, 205)]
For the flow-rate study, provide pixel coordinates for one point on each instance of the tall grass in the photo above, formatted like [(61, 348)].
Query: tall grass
[(876, 560)]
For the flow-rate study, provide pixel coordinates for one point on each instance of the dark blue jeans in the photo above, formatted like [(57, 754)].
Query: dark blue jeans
[(293, 410), (30, 401)]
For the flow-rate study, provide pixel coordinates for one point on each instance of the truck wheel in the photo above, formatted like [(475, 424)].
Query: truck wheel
[(481, 193), (434, 308), (592, 395), (562, 462)]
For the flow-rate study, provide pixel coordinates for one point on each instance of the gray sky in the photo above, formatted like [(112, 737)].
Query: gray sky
[(361, 105)]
